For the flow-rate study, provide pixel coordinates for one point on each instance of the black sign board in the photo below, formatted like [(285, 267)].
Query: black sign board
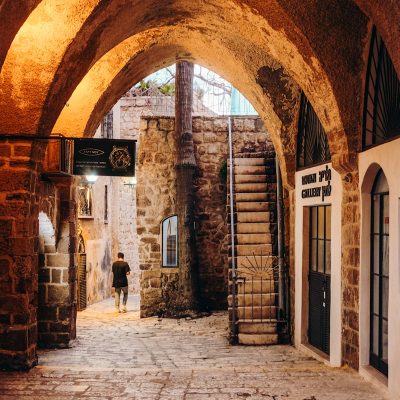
[(104, 157)]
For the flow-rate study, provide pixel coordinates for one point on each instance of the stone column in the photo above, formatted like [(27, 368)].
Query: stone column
[(57, 276), (18, 254)]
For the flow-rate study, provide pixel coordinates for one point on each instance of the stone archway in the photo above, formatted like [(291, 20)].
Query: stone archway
[(55, 52)]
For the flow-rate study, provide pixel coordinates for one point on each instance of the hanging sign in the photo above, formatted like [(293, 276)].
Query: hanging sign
[(320, 182), (104, 157)]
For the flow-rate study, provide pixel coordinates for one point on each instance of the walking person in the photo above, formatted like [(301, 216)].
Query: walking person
[(120, 270)]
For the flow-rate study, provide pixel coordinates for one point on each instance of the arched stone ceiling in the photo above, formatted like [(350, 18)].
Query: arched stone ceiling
[(386, 16), (12, 15), (319, 43), (58, 44), (134, 59)]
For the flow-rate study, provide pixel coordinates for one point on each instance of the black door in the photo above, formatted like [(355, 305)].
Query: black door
[(320, 277), (379, 274)]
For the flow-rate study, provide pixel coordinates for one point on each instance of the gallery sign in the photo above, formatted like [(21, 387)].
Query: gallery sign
[(104, 157), (320, 183)]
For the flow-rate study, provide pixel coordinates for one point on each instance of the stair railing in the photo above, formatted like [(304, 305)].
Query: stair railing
[(234, 329)]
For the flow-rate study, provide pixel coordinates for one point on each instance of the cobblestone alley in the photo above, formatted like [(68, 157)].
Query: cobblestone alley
[(119, 356)]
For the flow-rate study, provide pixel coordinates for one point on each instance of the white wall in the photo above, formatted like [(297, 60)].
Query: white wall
[(335, 199), (387, 157)]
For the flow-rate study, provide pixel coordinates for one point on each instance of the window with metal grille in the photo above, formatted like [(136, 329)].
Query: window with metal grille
[(170, 242), (107, 126), (382, 96), (379, 305), (312, 142), (105, 204)]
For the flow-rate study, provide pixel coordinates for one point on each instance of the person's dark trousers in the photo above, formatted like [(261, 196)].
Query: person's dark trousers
[(118, 295)]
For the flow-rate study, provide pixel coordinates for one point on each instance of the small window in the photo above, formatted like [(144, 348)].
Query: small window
[(85, 202), (312, 142), (170, 242), (107, 126), (382, 96), (105, 204)]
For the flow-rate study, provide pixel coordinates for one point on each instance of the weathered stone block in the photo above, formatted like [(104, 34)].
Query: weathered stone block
[(58, 294), (57, 260), (14, 339), (56, 275)]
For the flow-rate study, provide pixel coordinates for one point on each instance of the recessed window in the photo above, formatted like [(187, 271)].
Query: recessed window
[(312, 142), (85, 202), (382, 96), (170, 242), (105, 204), (107, 126)]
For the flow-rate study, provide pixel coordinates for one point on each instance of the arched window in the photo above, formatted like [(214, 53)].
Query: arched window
[(382, 96), (379, 274), (170, 242), (312, 142)]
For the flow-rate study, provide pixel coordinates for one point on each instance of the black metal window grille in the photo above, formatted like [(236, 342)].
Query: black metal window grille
[(382, 96), (105, 204), (107, 126), (320, 239), (379, 274), (312, 142)]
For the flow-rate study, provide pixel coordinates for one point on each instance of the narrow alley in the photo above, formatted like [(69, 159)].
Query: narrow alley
[(119, 356)]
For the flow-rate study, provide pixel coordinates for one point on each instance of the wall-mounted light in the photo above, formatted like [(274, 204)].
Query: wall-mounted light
[(91, 179), (131, 181)]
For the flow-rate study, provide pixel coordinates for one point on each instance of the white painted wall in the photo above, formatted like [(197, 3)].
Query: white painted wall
[(386, 156), (335, 200)]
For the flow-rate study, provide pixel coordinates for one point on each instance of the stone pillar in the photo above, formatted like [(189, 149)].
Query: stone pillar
[(347, 165), (18, 254), (57, 276)]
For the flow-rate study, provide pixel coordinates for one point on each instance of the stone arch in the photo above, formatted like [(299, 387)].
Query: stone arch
[(369, 177), (297, 49)]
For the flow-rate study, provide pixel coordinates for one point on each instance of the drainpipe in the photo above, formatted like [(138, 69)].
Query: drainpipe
[(279, 208), (233, 269)]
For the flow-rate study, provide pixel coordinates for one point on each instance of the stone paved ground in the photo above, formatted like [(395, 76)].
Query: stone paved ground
[(119, 356)]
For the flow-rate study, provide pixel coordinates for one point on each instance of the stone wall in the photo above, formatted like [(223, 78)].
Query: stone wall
[(57, 265), (156, 200), (97, 235)]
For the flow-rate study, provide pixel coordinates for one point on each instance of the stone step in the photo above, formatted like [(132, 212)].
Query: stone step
[(253, 227), (256, 286), (250, 179), (249, 170), (257, 327), (253, 249), (248, 161), (254, 206), (248, 299), (241, 197), (256, 312), (259, 216), (251, 187), (258, 339), (253, 238)]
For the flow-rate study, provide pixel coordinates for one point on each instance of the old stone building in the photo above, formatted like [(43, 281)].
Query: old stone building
[(323, 76)]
